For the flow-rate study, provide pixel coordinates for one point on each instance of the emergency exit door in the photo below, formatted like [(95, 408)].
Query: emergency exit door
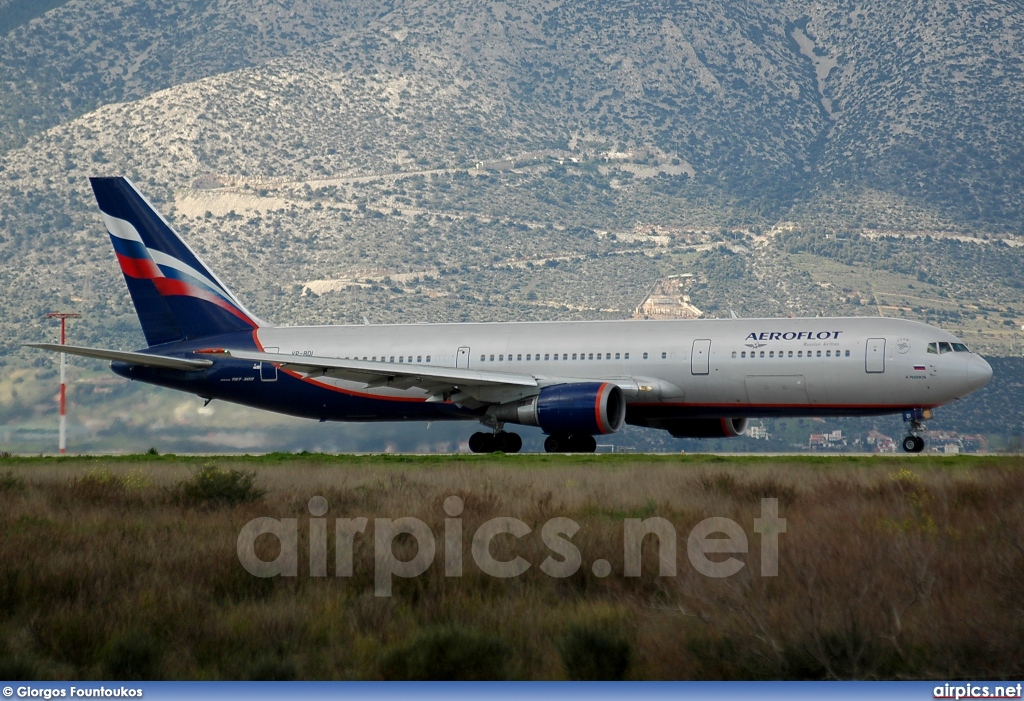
[(700, 363), (874, 359), (462, 358)]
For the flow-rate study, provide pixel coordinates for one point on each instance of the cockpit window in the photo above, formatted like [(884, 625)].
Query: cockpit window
[(961, 348), (944, 347), (933, 348)]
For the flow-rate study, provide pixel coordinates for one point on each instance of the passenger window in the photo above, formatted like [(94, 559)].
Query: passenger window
[(645, 356), (664, 355), (519, 356), (545, 356), (762, 354), (375, 359), (828, 354), (944, 347), (616, 356), (800, 354), (791, 354), (419, 358), (428, 358), (743, 354), (574, 356), (819, 354), (492, 357), (626, 357), (565, 356), (591, 357), (933, 348), (734, 354), (556, 357), (392, 359), (847, 354)]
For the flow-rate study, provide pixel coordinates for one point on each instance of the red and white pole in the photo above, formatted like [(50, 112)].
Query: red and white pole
[(63, 393), (63, 316)]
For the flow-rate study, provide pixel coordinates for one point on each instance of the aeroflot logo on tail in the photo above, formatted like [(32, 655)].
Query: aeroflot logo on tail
[(794, 336)]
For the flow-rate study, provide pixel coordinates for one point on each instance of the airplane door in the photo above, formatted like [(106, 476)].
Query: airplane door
[(700, 358), (268, 371), (462, 358), (874, 359)]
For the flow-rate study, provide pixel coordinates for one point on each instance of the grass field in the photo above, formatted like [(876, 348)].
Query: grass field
[(894, 567)]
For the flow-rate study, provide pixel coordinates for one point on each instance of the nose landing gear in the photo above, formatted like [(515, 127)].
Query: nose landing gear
[(913, 443)]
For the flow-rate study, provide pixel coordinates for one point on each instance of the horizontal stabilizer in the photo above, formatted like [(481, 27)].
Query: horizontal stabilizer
[(153, 361)]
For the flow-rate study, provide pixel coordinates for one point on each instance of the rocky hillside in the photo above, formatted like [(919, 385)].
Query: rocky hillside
[(451, 160)]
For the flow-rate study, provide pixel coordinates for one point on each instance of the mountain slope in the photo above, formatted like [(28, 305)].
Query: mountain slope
[(447, 160)]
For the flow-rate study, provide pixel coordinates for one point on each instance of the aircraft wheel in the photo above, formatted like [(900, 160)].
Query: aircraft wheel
[(913, 444), (482, 443), (512, 443), (583, 444), (557, 444)]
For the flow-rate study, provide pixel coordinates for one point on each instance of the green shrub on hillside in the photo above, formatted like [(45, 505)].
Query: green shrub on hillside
[(447, 654), (212, 485)]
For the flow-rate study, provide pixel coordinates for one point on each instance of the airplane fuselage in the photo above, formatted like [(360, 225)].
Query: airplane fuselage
[(574, 380), (684, 368)]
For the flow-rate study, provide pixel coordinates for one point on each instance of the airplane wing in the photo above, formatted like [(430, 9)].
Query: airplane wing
[(441, 383), (154, 361)]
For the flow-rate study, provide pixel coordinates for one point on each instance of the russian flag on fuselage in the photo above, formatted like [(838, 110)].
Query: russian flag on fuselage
[(175, 295)]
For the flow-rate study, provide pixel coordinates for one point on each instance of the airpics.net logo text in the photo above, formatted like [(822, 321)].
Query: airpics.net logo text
[(716, 536)]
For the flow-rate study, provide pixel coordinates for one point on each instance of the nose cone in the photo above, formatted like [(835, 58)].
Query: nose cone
[(978, 373)]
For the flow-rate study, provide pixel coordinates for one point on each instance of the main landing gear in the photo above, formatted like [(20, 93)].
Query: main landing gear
[(913, 443), (502, 441), (564, 443)]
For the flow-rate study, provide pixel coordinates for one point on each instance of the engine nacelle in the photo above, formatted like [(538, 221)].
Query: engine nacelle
[(575, 408), (706, 428)]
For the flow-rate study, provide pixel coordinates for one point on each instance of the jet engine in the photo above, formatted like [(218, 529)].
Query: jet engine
[(575, 408), (706, 428)]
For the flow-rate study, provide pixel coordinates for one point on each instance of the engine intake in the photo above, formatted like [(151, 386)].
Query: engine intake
[(574, 408), (706, 428)]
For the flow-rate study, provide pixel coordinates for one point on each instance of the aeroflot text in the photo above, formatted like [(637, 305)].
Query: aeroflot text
[(794, 336)]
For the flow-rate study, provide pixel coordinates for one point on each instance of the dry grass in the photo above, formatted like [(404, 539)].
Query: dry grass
[(889, 568)]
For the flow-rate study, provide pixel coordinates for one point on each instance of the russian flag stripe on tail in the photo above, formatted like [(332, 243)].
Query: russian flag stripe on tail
[(175, 295)]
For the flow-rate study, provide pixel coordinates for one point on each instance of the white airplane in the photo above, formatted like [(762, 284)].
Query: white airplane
[(574, 380)]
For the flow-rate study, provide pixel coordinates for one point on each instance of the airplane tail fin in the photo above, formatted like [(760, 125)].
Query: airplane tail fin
[(176, 296)]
